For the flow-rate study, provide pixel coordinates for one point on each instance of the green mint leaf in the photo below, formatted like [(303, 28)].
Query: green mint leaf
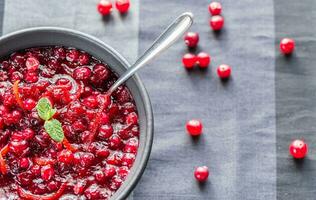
[(44, 109), (54, 129)]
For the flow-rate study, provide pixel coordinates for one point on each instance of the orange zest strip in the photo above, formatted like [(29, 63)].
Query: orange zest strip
[(44, 161), (29, 196), (4, 150), (17, 94), (68, 146), (3, 164)]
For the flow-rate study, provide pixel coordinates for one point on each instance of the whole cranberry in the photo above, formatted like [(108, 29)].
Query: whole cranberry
[(32, 64), (128, 159), (16, 115), (191, 39), (287, 45), (28, 134), (122, 5), (60, 53), (72, 55), (109, 172), (224, 71), (92, 192), (24, 163), (131, 118), (29, 104), (215, 8), (47, 172), (84, 59), (99, 176), (298, 149), (101, 72), (189, 60), (203, 59), (82, 73), (31, 77), (217, 22), (194, 127), (105, 131), (91, 101), (36, 170), (104, 7), (201, 173), (16, 76), (65, 156), (131, 145), (115, 142)]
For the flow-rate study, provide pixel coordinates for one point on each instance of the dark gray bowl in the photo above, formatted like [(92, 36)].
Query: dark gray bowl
[(45, 36)]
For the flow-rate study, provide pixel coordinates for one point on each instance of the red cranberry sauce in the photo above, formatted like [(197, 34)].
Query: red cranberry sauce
[(100, 145)]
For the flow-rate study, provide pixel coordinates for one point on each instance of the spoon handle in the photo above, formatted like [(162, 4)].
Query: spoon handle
[(163, 42)]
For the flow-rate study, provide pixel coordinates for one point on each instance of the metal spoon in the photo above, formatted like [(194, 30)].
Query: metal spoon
[(163, 42)]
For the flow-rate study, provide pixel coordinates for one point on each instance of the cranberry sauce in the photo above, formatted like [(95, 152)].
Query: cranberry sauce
[(100, 132)]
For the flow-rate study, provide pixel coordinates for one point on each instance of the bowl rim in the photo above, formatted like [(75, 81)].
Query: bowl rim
[(138, 172)]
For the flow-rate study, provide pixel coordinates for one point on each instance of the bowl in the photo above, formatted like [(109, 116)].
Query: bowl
[(53, 36)]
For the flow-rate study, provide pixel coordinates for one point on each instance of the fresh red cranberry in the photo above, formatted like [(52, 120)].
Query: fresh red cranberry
[(131, 146), (47, 172), (103, 153), (92, 192), (99, 176), (201, 173), (128, 159), (298, 149), (24, 163), (86, 159), (105, 119), (109, 172), (104, 7), (18, 147), (8, 101), (287, 45), (16, 116), (217, 22), (31, 77), (115, 142), (3, 76), (60, 53), (91, 101), (203, 59), (72, 55), (29, 104), (189, 60), (101, 72), (122, 5), (191, 39), (28, 134), (79, 126), (122, 172), (16, 76), (36, 170), (224, 71), (32, 64), (52, 186), (65, 156), (215, 8), (194, 127), (82, 73), (84, 59), (115, 159), (116, 182), (131, 118), (106, 131)]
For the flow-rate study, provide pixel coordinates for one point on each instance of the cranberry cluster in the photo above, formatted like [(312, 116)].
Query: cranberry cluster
[(105, 6), (100, 145)]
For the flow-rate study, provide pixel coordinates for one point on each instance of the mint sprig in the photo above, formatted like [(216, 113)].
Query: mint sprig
[(45, 109), (53, 127)]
